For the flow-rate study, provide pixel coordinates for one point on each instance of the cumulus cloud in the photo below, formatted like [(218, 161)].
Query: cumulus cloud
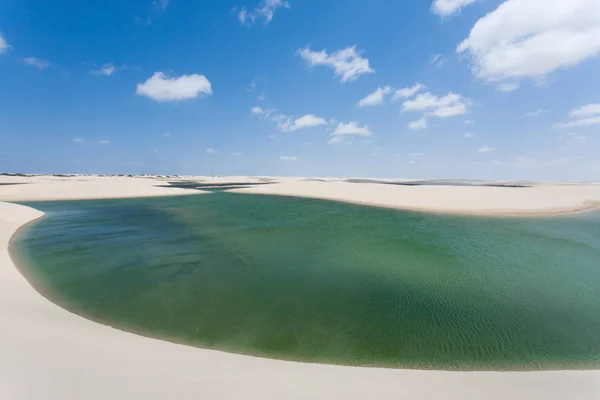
[(375, 98), (485, 149), (257, 110), (533, 114), (508, 87), (433, 106), (352, 128), (3, 45), (265, 11), (36, 62), (418, 124), (211, 150), (162, 88), (532, 38), (105, 70), (347, 63), (447, 8), (288, 158), (408, 92), (306, 121), (583, 116)]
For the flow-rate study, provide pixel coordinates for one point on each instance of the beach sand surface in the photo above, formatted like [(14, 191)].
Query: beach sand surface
[(49, 353)]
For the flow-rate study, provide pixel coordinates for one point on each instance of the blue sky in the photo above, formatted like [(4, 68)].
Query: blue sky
[(482, 89)]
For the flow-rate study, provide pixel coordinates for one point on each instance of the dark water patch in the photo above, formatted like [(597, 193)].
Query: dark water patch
[(319, 281), (439, 183)]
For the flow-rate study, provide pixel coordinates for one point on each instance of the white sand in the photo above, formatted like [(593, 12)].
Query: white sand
[(48, 353), (540, 199)]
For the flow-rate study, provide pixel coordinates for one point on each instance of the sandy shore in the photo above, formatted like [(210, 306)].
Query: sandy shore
[(48, 353), (539, 199)]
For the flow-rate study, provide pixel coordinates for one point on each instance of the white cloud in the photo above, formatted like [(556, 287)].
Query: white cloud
[(583, 116), (78, 140), (211, 150), (375, 98), (257, 110), (437, 60), (532, 38), (264, 11), (485, 149), (237, 154), (106, 70), (418, 124), (432, 106), (163, 88), (36, 62), (447, 8), (307, 121), (415, 155), (161, 4), (585, 111), (508, 87), (336, 140), (533, 114), (103, 141), (468, 134), (166, 134), (408, 91), (352, 128), (346, 63), (288, 158), (3, 45), (469, 122)]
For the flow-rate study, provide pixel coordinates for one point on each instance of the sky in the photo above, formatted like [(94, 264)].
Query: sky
[(470, 89)]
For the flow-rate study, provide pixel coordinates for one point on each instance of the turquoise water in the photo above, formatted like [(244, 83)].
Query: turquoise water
[(329, 282)]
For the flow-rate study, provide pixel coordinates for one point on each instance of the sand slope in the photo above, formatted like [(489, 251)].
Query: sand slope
[(48, 353), (540, 199)]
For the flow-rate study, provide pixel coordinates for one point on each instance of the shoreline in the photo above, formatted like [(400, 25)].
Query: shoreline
[(584, 207), (51, 353)]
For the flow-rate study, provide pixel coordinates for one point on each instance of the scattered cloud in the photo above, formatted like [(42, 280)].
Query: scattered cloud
[(485, 149), (211, 150), (375, 98), (273, 137), (237, 154), (468, 134), (78, 140), (257, 110), (533, 114), (307, 121), (432, 106), (3, 45), (352, 128), (36, 62), (573, 138), (162, 88), (265, 11), (347, 63), (585, 111), (532, 38), (583, 116), (437, 60), (469, 122), (408, 92), (415, 155), (508, 87), (105, 70), (103, 141), (288, 158), (160, 4), (166, 134), (418, 124), (447, 8)]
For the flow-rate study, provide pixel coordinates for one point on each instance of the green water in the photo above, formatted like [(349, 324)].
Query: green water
[(329, 282)]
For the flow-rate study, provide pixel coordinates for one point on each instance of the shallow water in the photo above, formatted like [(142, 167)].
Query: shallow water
[(322, 281)]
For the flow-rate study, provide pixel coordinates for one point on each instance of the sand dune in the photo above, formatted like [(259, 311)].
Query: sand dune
[(48, 353)]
